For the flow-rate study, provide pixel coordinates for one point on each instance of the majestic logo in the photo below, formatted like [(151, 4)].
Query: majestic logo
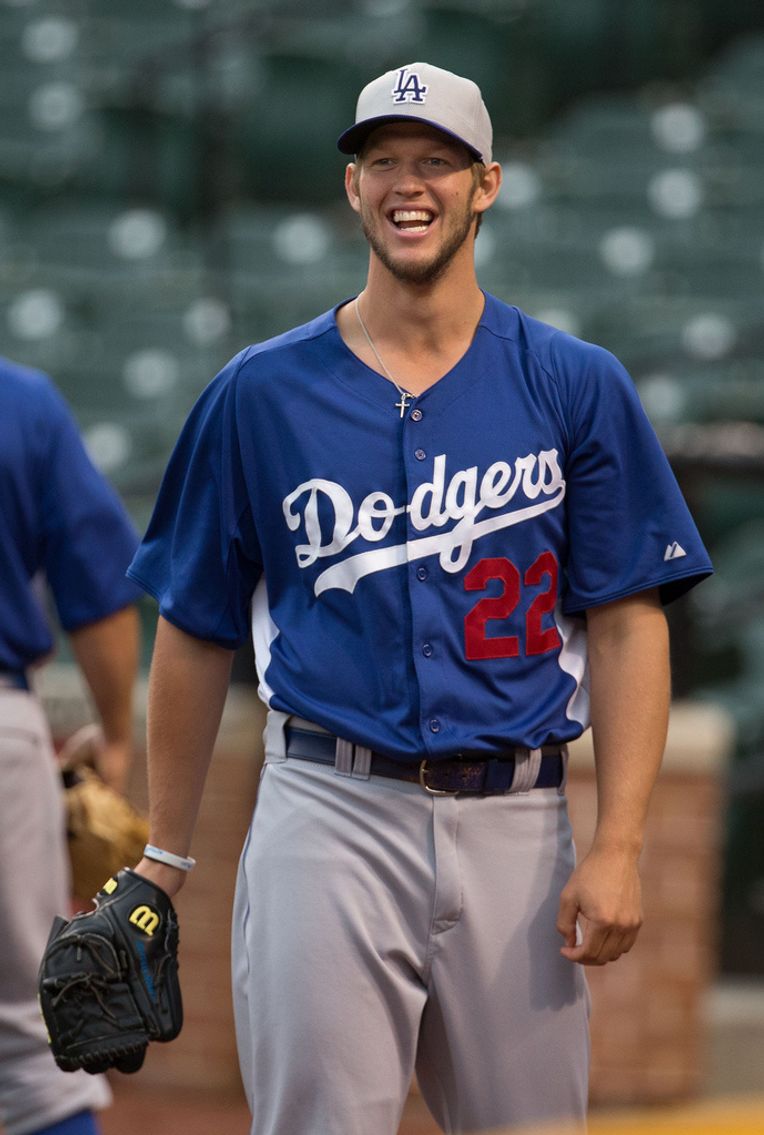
[(674, 552), (409, 87), (145, 919), (324, 510)]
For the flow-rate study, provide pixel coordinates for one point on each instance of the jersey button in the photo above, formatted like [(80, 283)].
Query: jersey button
[(422, 572), (434, 725), (419, 454), (416, 415), (427, 649)]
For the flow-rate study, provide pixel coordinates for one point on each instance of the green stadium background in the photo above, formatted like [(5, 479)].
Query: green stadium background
[(170, 191)]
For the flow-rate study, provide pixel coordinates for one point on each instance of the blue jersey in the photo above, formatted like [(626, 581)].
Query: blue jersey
[(418, 585), (60, 522)]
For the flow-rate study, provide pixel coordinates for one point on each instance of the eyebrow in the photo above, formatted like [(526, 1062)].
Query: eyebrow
[(434, 146)]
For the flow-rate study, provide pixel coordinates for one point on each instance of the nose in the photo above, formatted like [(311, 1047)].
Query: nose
[(409, 182)]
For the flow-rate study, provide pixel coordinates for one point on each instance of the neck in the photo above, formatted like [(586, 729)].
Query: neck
[(422, 317), (419, 331)]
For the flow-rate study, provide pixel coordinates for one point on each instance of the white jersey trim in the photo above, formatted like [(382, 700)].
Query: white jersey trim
[(574, 660), (264, 633)]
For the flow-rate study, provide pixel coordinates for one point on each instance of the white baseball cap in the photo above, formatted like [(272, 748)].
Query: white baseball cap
[(420, 92)]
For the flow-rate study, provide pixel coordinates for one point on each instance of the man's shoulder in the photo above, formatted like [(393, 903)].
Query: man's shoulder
[(558, 351), (19, 378), (29, 396), (292, 341), (533, 334)]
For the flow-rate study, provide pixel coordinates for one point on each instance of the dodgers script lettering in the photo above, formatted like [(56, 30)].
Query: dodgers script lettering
[(468, 505)]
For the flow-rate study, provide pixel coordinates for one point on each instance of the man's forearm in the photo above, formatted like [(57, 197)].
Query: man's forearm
[(630, 695), (630, 698), (106, 652), (187, 691)]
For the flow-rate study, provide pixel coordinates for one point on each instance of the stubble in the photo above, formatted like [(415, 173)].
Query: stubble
[(423, 272)]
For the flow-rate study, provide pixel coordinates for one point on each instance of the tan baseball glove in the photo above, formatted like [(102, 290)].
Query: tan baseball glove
[(105, 832)]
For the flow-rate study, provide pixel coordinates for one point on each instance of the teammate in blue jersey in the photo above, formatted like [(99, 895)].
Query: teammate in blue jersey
[(451, 531), (63, 533)]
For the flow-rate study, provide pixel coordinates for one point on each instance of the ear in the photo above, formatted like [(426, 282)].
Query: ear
[(351, 186), (488, 188)]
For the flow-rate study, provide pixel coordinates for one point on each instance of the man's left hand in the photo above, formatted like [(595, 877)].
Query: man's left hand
[(601, 908)]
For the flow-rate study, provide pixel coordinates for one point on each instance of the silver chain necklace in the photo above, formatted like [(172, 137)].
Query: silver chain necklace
[(403, 405)]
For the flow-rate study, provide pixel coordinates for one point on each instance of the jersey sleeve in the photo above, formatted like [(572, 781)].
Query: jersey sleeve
[(200, 557), (88, 538), (629, 528)]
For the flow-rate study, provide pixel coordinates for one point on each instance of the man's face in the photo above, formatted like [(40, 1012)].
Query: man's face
[(413, 189)]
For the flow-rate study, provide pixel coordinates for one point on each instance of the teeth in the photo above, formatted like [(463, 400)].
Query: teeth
[(407, 218)]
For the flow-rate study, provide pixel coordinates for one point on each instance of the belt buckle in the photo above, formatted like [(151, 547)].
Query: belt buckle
[(433, 791)]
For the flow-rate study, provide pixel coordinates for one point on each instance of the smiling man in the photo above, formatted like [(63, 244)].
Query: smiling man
[(450, 530), (431, 190)]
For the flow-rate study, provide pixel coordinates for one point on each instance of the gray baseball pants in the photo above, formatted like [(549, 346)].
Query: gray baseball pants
[(34, 887), (380, 932)]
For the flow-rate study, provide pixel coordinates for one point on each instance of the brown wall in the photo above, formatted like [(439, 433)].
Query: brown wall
[(649, 1040)]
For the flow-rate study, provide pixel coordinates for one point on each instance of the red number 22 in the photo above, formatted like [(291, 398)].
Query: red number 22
[(538, 638)]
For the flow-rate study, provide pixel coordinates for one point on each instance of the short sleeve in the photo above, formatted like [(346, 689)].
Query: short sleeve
[(629, 528), (88, 538), (200, 557)]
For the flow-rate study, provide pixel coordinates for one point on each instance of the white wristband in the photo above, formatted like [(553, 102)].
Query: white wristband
[(182, 863)]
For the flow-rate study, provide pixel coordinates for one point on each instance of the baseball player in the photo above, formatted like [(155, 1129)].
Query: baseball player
[(60, 525), (451, 531)]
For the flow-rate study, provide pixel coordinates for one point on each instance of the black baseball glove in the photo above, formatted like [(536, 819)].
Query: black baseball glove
[(109, 978)]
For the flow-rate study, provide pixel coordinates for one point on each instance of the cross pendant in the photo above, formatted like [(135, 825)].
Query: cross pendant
[(403, 405)]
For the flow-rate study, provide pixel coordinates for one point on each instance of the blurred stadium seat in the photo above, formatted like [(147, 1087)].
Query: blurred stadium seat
[(733, 86)]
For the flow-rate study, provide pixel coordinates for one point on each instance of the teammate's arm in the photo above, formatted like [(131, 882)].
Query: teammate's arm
[(106, 652), (187, 691), (630, 697)]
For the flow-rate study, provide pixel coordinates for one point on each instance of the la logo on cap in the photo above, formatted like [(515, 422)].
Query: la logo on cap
[(409, 87), (426, 94)]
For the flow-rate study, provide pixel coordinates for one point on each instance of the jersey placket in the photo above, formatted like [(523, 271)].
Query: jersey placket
[(418, 449)]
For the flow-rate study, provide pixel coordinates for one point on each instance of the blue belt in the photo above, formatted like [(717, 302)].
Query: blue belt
[(484, 776), (13, 680)]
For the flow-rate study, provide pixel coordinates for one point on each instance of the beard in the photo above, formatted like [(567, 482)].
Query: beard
[(425, 272)]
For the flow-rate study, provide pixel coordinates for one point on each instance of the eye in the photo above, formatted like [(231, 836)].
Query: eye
[(436, 162)]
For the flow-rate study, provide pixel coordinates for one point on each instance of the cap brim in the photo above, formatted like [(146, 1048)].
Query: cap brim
[(352, 140)]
